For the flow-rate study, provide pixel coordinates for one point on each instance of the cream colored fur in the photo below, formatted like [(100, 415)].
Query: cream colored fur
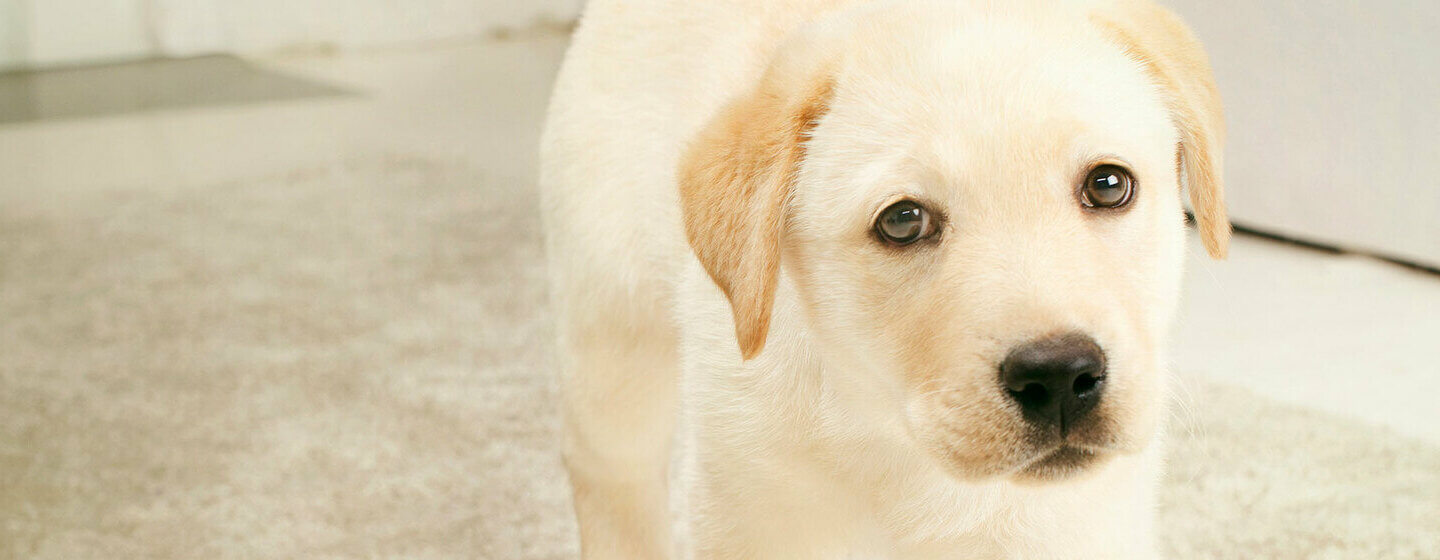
[(740, 357)]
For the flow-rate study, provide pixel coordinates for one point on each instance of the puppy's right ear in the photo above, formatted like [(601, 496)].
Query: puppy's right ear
[(735, 182), (1177, 63)]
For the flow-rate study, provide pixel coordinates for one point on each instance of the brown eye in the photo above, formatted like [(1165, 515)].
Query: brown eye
[(904, 222), (1107, 186)]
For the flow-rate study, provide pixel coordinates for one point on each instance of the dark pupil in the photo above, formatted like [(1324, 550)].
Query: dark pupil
[(1107, 188), (903, 223)]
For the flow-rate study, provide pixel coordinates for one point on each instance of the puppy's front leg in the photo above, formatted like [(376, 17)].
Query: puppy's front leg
[(776, 517), (618, 399)]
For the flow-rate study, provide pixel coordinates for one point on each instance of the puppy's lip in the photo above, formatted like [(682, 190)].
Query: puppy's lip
[(1100, 449), (1091, 437), (1061, 462), (1067, 446), (1042, 454)]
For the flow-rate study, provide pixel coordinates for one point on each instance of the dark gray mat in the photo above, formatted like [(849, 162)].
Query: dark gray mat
[(151, 85)]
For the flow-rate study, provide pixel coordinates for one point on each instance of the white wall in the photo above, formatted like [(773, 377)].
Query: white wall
[(45, 33), (262, 25), (51, 32), (1334, 116)]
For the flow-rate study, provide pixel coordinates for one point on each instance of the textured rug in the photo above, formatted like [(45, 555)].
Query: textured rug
[(348, 361)]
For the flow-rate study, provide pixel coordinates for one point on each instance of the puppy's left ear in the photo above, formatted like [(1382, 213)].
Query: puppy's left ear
[(1177, 63), (735, 183)]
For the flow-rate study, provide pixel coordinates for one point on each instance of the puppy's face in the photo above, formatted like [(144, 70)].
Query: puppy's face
[(1006, 190), (985, 231)]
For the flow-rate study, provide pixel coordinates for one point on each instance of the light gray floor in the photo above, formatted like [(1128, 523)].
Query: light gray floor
[(1344, 334)]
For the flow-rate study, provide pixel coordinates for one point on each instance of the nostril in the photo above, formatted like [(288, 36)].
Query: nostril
[(1033, 395), (1084, 384)]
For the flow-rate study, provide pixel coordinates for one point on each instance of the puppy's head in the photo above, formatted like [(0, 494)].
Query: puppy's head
[(981, 213)]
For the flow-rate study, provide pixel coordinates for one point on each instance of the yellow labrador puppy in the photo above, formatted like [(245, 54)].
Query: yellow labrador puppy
[(849, 279)]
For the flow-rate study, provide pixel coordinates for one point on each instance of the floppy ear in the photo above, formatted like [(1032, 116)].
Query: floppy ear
[(1178, 64), (735, 182)]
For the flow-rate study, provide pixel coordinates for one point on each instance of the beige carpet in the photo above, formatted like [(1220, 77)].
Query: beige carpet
[(348, 362)]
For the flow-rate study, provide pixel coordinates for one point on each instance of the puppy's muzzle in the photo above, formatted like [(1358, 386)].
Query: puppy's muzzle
[(1056, 380)]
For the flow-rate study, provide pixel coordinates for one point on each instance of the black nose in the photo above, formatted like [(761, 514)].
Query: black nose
[(1057, 379)]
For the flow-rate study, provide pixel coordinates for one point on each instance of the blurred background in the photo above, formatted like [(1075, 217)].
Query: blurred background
[(271, 283)]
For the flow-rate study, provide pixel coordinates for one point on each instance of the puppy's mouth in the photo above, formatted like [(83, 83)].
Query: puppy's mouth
[(1057, 455), (1060, 463)]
